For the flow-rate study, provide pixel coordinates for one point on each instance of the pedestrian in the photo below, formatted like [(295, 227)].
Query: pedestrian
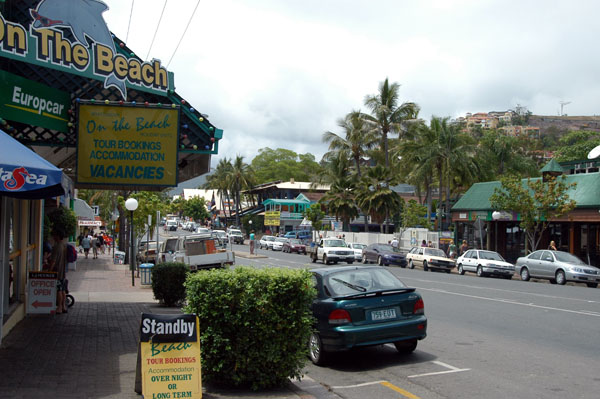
[(251, 242), (95, 245), (86, 243), (395, 243), (552, 246), (464, 247), (101, 242), (430, 244), (423, 243), (452, 250), (58, 264)]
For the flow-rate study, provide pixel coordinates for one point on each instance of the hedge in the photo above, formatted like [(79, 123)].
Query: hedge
[(254, 324), (168, 281)]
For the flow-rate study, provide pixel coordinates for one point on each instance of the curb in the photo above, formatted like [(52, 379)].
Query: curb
[(247, 255)]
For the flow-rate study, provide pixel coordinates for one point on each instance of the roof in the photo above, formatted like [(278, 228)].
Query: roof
[(285, 202), (552, 166), (586, 194), (296, 185)]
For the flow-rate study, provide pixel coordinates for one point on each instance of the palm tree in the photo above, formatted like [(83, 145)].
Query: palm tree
[(375, 195), (240, 177), (387, 117), (219, 181)]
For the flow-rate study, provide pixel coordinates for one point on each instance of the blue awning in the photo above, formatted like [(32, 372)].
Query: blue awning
[(24, 174)]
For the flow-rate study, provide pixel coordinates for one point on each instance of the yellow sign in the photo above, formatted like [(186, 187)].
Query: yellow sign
[(272, 218), (170, 352), (127, 145)]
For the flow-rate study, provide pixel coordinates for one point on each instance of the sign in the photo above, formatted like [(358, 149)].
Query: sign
[(170, 356), (96, 209), (127, 145), (26, 101), (41, 298), (91, 53), (89, 223), (272, 218)]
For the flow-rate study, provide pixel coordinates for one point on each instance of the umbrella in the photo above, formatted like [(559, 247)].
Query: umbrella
[(26, 175)]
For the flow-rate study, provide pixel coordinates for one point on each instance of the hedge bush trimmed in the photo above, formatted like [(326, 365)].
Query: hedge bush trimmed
[(254, 324), (168, 281)]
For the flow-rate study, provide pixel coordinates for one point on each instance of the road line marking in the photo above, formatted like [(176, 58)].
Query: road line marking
[(438, 373), (364, 384), (585, 313), (445, 365), (399, 390)]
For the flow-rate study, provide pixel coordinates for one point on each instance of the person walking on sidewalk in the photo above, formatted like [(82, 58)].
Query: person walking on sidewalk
[(95, 245), (251, 238), (86, 243), (58, 264), (101, 242)]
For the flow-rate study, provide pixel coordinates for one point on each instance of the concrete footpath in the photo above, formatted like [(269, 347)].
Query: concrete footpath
[(91, 351)]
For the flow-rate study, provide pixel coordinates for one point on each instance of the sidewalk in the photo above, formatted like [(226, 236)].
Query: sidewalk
[(91, 351)]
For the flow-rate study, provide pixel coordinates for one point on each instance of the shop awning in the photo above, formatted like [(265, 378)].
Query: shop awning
[(26, 175)]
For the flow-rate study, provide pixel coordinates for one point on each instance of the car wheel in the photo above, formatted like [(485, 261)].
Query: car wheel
[(480, 271), (552, 281), (425, 267), (315, 350), (461, 271), (411, 265), (525, 274), (560, 277), (365, 259), (406, 347), (350, 262), (380, 261), (592, 285), (325, 260), (313, 258)]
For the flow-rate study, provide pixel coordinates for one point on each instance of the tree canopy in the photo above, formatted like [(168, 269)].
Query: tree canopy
[(282, 164)]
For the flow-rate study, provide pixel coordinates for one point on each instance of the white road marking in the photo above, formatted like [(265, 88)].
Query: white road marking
[(364, 384), (584, 312), (452, 369)]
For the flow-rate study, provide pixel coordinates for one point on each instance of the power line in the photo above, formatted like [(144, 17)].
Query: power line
[(156, 31), (129, 25), (184, 32)]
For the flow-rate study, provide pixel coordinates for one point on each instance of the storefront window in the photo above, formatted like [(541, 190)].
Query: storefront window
[(515, 242)]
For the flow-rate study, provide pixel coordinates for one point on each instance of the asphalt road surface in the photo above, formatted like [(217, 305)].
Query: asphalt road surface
[(487, 338)]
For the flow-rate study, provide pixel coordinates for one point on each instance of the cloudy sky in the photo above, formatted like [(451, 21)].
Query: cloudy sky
[(279, 73)]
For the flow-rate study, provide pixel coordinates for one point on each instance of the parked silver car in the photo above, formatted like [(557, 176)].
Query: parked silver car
[(558, 267), (484, 263)]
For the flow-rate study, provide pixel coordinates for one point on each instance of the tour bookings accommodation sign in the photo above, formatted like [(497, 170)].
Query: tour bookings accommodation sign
[(170, 356), (127, 145)]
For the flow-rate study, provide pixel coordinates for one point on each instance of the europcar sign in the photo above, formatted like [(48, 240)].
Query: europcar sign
[(92, 54)]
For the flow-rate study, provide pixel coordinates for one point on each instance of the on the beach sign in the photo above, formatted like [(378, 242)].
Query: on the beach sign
[(170, 356), (91, 53)]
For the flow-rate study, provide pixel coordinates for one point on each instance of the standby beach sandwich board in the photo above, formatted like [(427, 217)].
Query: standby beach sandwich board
[(170, 356)]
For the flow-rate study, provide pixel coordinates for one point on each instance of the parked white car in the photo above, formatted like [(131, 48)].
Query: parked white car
[(484, 263), (277, 245), (358, 249), (266, 242)]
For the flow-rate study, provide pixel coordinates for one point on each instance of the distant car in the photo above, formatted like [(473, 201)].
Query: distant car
[(558, 267), (235, 236), (364, 306), (200, 230), (278, 243), (484, 263), (300, 234), (265, 241), (221, 235), (357, 248), (429, 259), (383, 255), (294, 245), (172, 225), (147, 253)]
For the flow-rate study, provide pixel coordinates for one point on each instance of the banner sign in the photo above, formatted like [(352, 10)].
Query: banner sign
[(25, 101), (272, 218), (127, 145), (41, 298), (91, 54), (170, 356)]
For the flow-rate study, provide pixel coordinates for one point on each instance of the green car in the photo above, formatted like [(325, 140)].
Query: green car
[(364, 306)]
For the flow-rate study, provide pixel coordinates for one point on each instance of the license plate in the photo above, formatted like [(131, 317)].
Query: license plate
[(384, 314)]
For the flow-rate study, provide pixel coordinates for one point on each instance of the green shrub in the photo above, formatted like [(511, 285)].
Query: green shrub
[(254, 324), (63, 222), (168, 281)]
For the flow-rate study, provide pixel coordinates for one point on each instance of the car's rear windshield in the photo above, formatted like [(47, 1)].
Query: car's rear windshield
[(355, 281)]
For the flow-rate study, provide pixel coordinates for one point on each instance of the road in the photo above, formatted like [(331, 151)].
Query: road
[(487, 338)]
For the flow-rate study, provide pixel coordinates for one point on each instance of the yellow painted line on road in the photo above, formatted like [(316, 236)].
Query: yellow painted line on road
[(399, 390)]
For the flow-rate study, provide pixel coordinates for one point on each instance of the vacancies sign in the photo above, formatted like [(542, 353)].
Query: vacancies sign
[(91, 53), (170, 356), (127, 145)]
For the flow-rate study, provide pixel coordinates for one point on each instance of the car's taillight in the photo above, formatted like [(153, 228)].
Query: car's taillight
[(419, 307), (339, 316)]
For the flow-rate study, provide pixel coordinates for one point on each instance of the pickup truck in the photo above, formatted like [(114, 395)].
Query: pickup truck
[(198, 251), (331, 250), (235, 236)]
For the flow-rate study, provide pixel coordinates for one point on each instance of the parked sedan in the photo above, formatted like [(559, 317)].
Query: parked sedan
[(358, 249), (294, 245), (364, 306), (266, 242), (277, 244), (484, 263), (558, 267), (383, 254), (429, 259)]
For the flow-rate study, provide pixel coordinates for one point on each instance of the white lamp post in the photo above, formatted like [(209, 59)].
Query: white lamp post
[(495, 216), (131, 204)]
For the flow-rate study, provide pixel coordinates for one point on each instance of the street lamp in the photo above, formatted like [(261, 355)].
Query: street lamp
[(495, 216), (131, 204)]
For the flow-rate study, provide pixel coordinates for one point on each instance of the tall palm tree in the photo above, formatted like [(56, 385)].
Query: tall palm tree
[(240, 177), (375, 195), (387, 116), (219, 181), (340, 199)]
